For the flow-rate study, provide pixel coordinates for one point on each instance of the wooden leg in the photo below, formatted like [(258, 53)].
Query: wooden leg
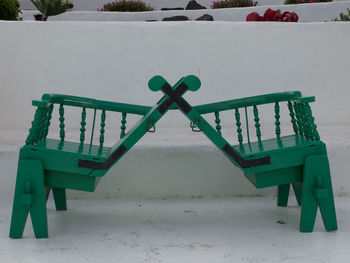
[(59, 195), (317, 191), (297, 186), (326, 201), (282, 194), (30, 196), (47, 192), (19, 211)]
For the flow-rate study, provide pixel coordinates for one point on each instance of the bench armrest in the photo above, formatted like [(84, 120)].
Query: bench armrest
[(247, 102), (94, 104)]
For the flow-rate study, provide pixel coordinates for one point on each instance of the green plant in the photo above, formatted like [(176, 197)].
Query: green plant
[(126, 6), (9, 10), (294, 2), (343, 17), (233, 3), (50, 7)]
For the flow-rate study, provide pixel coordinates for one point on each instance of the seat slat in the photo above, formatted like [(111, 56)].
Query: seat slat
[(72, 147), (273, 145)]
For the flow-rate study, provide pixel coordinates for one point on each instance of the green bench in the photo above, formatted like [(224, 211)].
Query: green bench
[(298, 160)]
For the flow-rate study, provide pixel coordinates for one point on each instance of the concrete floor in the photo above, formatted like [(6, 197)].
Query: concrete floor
[(247, 229)]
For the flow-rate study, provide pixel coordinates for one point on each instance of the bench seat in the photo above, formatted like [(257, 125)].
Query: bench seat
[(287, 156), (50, 145), (272, 145), (53, 153)]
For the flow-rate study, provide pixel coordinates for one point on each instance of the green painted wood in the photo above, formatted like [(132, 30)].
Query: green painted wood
[(297, 188), (43, 117), (316, 179), (257, 123), (61, 113), (123, 126), (277, 120), (283, 194), (103, 124), (53, 154), (143, 126), (35, 129), (307, 126), (217, 121), (313, 126), (299, 159), (284, 152), (247, 102), (281, 176), (60, 199), (292, 116), (66, 180), (48, 120), (95, 104), (298, 116), (82, 126), (247, 124), (30, 197), (238, 124)]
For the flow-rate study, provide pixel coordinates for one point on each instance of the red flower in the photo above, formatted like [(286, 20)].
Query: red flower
[(254, 17), (289, 17), (272, 15)]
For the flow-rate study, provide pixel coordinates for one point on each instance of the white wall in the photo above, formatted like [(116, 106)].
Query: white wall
[(114, 61)]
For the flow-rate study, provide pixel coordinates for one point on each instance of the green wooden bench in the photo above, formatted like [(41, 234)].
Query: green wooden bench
[(299, 159)]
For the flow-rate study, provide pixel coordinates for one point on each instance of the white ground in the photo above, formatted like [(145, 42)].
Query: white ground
[(178, 230)]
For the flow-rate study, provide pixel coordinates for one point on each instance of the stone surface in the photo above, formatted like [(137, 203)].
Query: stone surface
[(205, 17), (220, 230), (176, 18), (193, 5)]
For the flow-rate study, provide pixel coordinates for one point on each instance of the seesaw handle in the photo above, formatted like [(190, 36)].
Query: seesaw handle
[(192, 82)]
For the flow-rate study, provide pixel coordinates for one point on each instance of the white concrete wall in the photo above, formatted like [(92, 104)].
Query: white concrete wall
[(114, 61), (307, 13)]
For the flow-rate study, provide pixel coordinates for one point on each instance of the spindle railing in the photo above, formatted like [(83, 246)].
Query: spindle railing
[(43, 115), (301, 119)]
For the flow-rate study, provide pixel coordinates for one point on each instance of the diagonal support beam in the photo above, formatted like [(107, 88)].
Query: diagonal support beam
[(173, 95), (141, 128)]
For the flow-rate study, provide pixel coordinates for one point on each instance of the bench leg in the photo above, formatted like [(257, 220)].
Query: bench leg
[(317, 191), (283, 194), (30, 197), (297, 186), (59, 195), (47, 192)]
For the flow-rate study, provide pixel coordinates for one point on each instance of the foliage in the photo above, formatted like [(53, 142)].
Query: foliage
[(9, 10), (273, 16), (50, 7), (293, 2), (343, 17), (126, 6), (233, 3)]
